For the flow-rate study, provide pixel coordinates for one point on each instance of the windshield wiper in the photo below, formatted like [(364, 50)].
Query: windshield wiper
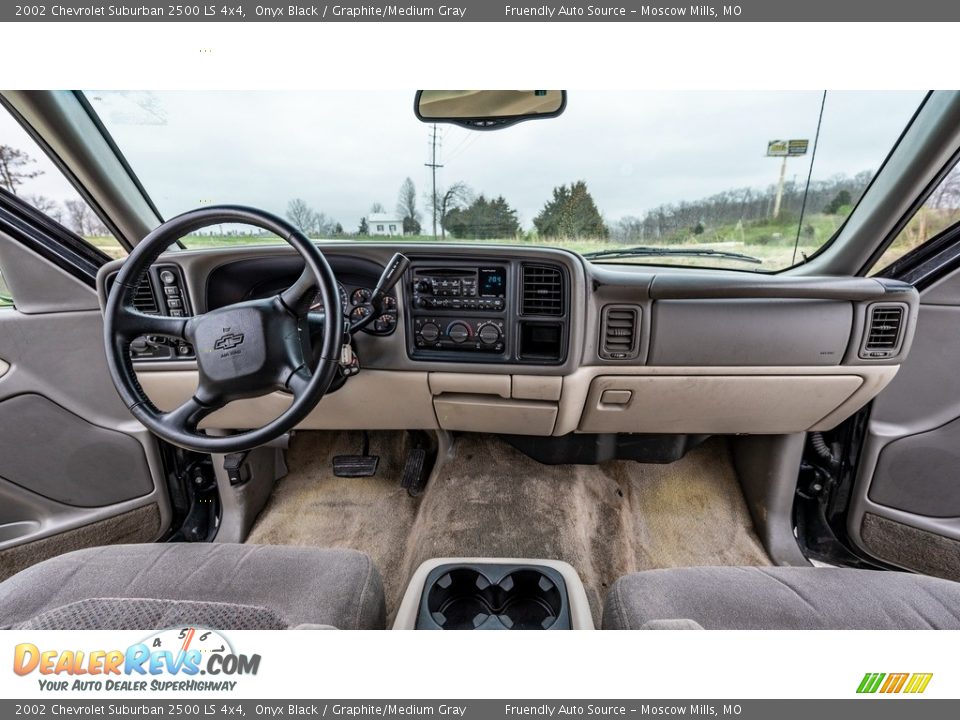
[(648, 250)]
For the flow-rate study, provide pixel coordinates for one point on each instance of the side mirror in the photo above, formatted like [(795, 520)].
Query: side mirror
[(488, 109)]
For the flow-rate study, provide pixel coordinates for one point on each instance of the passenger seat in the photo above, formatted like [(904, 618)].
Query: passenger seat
[(781, 598)]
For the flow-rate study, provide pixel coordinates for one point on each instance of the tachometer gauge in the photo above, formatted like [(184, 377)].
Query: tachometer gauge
[(317, 305)]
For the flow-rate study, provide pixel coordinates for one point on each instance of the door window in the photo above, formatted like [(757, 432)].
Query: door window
[(939, 212), (27, 172)]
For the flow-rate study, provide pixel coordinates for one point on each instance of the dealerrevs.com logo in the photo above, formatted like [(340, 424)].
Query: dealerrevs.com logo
[(893, 683), (178, 659)]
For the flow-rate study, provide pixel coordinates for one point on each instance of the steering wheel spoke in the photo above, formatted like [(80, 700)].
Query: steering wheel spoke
[(187, 416), (133, 323), (299, 380), (299, 297)]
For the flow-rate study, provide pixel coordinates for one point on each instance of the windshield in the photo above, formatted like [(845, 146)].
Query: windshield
[(717, 179)]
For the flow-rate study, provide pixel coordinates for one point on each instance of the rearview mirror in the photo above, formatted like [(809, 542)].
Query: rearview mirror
[(488, 109)]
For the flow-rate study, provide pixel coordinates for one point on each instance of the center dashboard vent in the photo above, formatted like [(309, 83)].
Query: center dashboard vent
[(884, 331), (541, 290), (620, 332)]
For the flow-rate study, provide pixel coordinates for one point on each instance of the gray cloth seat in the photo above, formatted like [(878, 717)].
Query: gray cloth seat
[(222, 586), (782, 598)]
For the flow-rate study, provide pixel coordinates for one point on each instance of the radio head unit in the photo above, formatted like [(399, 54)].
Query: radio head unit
[(462, 288)]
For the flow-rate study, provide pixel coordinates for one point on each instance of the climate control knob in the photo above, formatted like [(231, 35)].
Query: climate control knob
[(458, 332), (489, 334), (430, 332)]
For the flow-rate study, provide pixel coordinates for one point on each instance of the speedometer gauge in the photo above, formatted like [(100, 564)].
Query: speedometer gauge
[(317, 305)]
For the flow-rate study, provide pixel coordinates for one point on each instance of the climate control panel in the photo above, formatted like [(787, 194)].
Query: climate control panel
[(459, 334)]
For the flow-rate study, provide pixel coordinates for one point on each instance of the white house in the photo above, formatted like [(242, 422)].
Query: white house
[(384, 224)]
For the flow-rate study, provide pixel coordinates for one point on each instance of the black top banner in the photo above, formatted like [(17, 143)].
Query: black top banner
[(484, 11)]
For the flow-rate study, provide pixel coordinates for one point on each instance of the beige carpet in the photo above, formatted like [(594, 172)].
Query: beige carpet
[(491, 500), (311, 506)]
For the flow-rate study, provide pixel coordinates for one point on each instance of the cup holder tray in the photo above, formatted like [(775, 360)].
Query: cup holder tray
[(494, 597)]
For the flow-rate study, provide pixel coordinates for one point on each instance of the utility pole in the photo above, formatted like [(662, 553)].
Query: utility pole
[(433, 167), (776, 203), (784, 149)]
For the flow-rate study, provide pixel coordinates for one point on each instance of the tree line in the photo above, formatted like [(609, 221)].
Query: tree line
[(17, 167), (570, 212), (464, 214), (834, 196)]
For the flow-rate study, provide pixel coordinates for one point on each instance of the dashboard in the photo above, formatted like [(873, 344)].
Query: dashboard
[(538, 341)]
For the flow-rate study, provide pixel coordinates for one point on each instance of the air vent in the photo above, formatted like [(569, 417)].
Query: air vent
[(143, 299), (542, 291), (884, 331), (620, 332)]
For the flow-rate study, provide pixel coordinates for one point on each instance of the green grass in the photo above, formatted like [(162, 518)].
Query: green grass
[(761, 242), (770, 241), (108, 245)]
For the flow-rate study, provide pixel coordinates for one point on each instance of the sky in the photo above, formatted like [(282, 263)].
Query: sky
[(344, 151)]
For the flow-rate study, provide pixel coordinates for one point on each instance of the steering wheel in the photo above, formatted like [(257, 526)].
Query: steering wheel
[(244, 350)]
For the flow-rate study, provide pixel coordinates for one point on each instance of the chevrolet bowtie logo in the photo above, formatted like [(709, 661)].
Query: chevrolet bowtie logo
[(228, 341)]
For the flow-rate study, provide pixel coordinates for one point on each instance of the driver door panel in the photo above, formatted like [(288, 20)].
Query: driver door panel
[(75, 469)]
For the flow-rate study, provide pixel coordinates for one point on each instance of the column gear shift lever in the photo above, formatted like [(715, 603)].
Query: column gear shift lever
[(388, 279)]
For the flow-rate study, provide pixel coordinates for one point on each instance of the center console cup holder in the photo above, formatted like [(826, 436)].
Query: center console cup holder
[(494, 597)]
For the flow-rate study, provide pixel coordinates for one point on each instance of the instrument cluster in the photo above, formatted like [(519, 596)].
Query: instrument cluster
[(356, 306)]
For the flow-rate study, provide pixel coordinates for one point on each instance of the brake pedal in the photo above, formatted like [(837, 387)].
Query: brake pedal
[(354, 466)]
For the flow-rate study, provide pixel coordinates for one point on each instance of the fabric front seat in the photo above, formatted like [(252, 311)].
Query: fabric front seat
[(781, 598), (221, 586)]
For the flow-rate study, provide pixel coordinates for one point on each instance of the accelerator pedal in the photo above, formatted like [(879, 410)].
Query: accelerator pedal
[(419, 464), (354, 466)]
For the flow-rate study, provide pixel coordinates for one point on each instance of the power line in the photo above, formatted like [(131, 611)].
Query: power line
[(464, 147), (433, 165), (813, 156), (465, 141)]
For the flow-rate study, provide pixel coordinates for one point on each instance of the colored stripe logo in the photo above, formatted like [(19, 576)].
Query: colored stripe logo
[(887, 683)]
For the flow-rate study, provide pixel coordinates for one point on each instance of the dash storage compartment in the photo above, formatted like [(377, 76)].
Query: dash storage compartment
[(494, 597)]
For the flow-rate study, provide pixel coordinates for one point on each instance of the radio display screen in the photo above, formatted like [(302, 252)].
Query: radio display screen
[(493, 282)]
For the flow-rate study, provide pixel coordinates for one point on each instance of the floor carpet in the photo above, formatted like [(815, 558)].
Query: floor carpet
[(488, 499)]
